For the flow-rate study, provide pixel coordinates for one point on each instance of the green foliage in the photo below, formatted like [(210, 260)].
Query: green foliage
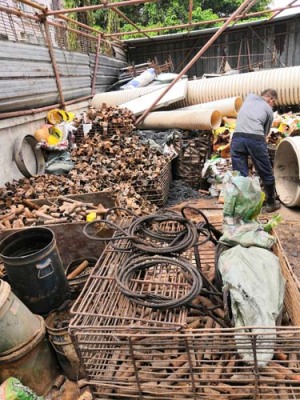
[(227, 7), (162, 13)]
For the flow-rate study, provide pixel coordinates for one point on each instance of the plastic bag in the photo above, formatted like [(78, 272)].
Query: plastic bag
[(246, 234), (141, 80), (243, 201), (274, 221), (256, 285), (59, 163), (243, 197), (13, 389)]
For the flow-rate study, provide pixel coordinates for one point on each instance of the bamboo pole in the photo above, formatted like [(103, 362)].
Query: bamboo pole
[(232, 18)]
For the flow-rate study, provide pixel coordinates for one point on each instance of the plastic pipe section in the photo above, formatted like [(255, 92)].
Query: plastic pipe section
[(285, 80), (287, 171), (121, 96), (190, 119), (227, 107)]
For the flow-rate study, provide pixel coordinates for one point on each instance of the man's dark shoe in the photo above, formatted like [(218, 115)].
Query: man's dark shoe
[(272, 206)]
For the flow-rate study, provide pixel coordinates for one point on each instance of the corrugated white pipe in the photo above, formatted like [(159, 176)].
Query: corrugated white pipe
[(121, 96), (191, 119), (287, 171), (227, 107), (286, 81)]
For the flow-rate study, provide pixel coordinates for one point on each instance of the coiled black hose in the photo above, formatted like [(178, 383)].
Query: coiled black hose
[(139, 263), (147, 233)]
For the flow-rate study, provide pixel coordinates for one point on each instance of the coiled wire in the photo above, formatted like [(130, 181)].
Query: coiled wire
[(147, 233), (137, 264)]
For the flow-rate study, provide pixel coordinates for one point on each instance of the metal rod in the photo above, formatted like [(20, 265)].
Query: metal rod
[(265, 44), (233, 17), (21, 113), (53, 61), (96, 66), (34, 5), (214, 21), (56, 24), (18, 13), (73, 21), (190, 14), (97, 7), (169, 27), (278, 12), (122, 15)]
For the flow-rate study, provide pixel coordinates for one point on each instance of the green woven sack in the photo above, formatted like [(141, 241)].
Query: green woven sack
[(13, 389)]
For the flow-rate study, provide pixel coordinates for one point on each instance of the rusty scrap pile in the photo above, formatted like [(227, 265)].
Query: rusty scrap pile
[(130, 350), (193, 148), (59, 210), (111, 158)]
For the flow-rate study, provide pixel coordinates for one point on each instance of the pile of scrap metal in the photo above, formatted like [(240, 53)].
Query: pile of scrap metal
[(284, 125), (110, 157)]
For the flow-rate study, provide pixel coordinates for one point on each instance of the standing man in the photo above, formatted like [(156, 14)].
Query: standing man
[(253, 123)]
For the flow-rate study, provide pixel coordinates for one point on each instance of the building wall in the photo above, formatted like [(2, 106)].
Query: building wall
[(245, 47)]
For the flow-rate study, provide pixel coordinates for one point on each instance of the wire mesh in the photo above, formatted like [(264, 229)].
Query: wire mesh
[(18, 28), (140, 353), (193, 150), (16, 25), (156, 190)]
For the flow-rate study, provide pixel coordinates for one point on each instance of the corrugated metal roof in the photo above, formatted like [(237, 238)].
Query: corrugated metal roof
[(183, 35)]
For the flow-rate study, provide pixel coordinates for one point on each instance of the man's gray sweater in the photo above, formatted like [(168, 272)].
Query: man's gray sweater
[(255, 117)]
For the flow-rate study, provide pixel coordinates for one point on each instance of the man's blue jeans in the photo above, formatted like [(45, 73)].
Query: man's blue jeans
[(241, 148)]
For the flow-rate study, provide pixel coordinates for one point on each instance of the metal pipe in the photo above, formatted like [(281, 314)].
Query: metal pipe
[(169, 27), (266, 46), (96, 66), (214, 21), (278, 12), (88, 28), (34, 5), (52, 23), (53, 61), (21, 113), (233, 17), (18, 13), (73, 21), (97, 7), (190, 13), (122, 15)]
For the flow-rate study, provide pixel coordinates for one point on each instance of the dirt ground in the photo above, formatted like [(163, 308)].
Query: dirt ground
[(288, 230)]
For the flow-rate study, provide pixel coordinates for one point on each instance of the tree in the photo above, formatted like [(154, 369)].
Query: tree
[(163, 13), (227, 7)]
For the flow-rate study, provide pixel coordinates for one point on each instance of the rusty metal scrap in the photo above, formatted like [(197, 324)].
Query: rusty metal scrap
[(135, 351), (108, 160), (59, 210)]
